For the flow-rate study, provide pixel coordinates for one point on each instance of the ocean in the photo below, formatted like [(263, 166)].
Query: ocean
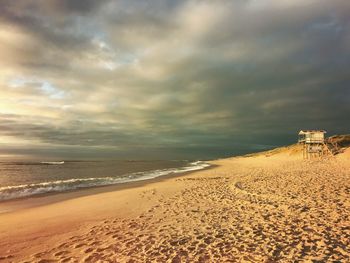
[(24, 179)]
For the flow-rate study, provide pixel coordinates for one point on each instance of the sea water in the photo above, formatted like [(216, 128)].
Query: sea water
[(24, 179)]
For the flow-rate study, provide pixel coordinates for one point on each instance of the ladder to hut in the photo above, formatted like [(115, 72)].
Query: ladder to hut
[(332, 147)]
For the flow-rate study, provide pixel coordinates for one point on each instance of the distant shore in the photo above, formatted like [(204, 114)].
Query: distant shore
[(265, 207)]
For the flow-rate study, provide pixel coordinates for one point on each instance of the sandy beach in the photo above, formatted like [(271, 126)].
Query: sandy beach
[(269, 207)]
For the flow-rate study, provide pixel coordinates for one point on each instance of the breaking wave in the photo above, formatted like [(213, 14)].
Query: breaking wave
[(26, 190), (61, 162)]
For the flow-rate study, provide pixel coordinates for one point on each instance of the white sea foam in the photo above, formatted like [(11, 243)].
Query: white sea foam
[(61, 162), (25, 190)]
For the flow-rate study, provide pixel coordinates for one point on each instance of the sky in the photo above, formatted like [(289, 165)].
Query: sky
[(168, 79)]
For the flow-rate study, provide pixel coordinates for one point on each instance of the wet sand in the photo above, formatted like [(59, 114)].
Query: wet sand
[(272, 207)]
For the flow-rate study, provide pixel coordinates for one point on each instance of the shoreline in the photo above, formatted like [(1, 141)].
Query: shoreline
[(12, 205), (264, 208)]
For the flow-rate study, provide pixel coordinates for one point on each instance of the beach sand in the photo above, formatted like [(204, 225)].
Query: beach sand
[(269, 207)]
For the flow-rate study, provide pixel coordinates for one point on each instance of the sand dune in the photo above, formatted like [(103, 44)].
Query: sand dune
[(270, 207)]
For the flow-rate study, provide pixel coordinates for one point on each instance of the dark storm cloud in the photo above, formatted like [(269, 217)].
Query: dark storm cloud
[(191, 78), (78, 6), (59, 30)]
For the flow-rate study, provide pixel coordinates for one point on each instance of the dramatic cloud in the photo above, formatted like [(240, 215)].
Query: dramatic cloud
[(170, 79)]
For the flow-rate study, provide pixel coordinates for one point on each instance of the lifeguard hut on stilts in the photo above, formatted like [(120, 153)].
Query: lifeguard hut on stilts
[(314, 143)]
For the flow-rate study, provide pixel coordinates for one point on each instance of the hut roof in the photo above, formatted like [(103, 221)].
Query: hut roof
[(311, 131)]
